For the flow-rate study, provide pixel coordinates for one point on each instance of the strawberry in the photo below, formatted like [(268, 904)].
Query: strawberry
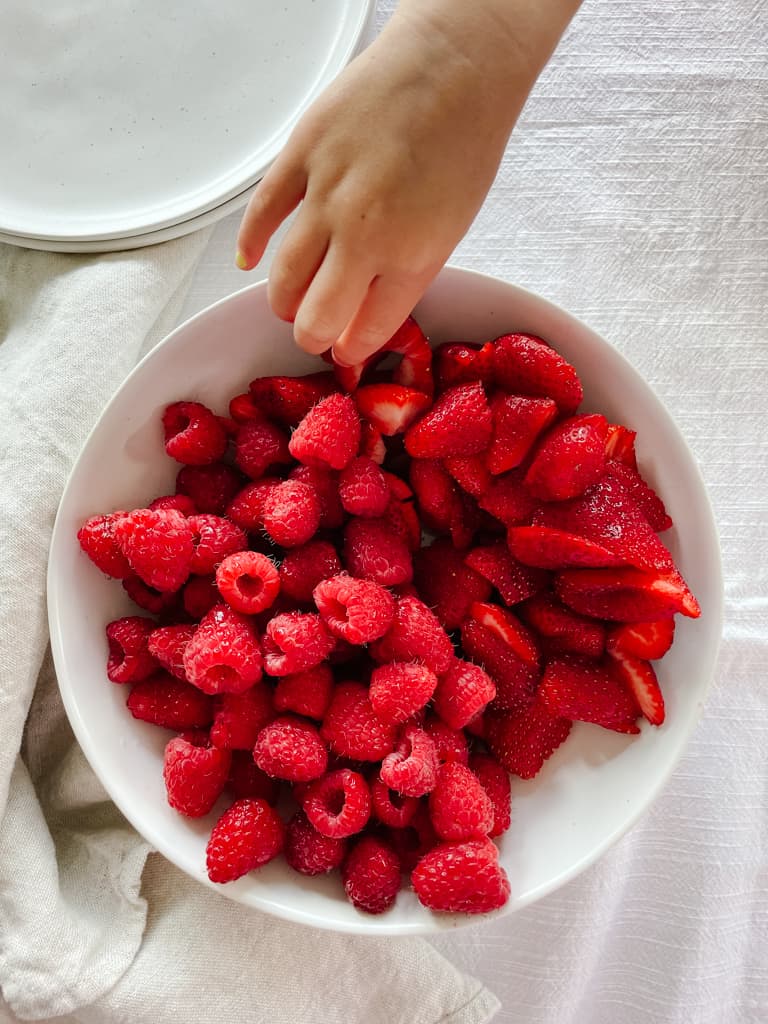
[(562, 629), (525, 365), (372, 443), (414, 370), (514, 581), (620, 445), (390, 408), (470, 473), (626, 595), (523, 742), (646, 499), (648, 640), (607, 515), (436, 494), (517, 422), (508, 629), (585, 690), (446, 583), (546, 548), (570, 457), (459, 423), (508, 500), (243, 408), (456, 363), (287, 400), (639, 679), (503, 646)]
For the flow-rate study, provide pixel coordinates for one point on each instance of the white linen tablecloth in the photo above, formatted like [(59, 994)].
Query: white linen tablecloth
[(635, 194)]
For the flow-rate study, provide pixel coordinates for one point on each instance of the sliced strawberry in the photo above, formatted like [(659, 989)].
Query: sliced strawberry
[(626, 595), (648, 640), (640, 680), (243, 408), (287, 400), (509, 500), (436, 494), (403, 519), (414, 370), (555, 549), (372, 443), (470, 473), (569, 458), (525, 365), (620, 445), (466, 520), (514, 581), (508, 628), (583, 689), (644, 496), (456, 363), (564, 630), (397, 486), (446, 584), (517, 422), (391, 408), (516, 679), (523, 742), (607, 515), (459, 423)]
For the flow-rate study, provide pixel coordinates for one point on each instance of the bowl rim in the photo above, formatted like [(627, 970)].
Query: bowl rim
[(437, 923)]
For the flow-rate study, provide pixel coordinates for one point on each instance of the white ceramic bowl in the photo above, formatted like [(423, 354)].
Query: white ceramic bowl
[(597, 784)]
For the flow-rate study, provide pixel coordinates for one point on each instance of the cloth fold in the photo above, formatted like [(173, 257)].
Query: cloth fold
[(92, 928)]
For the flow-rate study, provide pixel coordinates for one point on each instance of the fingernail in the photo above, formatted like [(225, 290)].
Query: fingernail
[(241, 261)]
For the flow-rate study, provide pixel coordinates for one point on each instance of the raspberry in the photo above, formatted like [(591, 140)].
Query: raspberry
[(151, 600), (240, 717), (223, 656), (495, 781), (371, 875), (290, 513), (167, 644), (295, 642), (411, 769), (200, 595), (413, 841), (338, 804), (246, 780), (158, 546), (523, 742), (351, 728), (392, 808), (451, 744), (287, 400), (193, 434), (415, 635), (447, 584), (259, 445), (245, 508), (461, 878), (169, 703), (307, 693), (245, 837), (400, 689), (129, 656), (363, 489), (248, 582), (372, 551), (329, 435), (290, 748), (210, 487), (358, 611), (326, 484), (306, 566), (194, 776), (463, 692), (214, 538), (310, 852), (180, 502), (459, 806), (98, 541)]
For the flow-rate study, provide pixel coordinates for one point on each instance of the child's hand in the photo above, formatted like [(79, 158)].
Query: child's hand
[(390, 166)]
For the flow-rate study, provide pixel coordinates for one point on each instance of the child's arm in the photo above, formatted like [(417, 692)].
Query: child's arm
[(392, 163)]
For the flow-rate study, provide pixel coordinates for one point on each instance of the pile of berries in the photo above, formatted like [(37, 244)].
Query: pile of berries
[(377, 593)]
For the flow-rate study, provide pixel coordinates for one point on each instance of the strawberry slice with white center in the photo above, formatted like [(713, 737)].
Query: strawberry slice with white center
[(648, 640), (620, 445), (456, 363), (390, 408), (508, 628), (413, 371), (547, 548), (640, 680), (626, 595)]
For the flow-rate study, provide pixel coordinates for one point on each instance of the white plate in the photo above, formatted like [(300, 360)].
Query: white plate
[(122, 118), (597, 784)]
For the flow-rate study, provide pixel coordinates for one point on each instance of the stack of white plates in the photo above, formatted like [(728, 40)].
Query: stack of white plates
[(127, 122)]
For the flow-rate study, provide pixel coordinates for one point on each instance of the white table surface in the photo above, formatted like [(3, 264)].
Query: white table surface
[(635, 194)]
